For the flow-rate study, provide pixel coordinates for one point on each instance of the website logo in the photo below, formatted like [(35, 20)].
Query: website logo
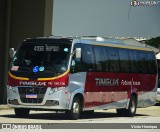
[(20, 126), (136, 3), (6, 126)]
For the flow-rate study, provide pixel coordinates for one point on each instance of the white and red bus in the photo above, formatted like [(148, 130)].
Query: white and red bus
[(81, 74)]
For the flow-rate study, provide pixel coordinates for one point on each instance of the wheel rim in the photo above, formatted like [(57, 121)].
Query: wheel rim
[(133, 106), (76, 108)]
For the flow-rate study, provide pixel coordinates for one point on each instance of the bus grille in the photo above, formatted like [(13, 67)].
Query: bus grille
[(39, 92)]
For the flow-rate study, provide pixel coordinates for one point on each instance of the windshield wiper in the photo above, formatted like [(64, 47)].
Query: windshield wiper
[(24, 69)]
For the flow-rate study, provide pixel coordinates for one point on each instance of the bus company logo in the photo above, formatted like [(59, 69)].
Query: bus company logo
[(136, 3), (32, 83), (107, 82)]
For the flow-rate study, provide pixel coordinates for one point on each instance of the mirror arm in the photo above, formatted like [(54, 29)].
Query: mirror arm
[(11, 52)]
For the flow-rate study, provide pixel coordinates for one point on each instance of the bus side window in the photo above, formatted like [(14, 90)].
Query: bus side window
[(101, 58), (142, 62), (145, 62), (113, 60), (152, 63), (124, 60), (133, 61), (88, 58)]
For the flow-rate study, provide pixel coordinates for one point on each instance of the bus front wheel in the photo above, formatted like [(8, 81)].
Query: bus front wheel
[(75, 111)]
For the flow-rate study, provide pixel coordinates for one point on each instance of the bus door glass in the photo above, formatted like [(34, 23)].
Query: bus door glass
[(89, 68)]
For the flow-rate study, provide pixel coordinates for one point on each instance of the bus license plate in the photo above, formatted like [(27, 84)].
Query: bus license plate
[(33, 96)]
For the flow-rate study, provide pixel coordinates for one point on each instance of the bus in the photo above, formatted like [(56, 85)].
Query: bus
[(81, 74)]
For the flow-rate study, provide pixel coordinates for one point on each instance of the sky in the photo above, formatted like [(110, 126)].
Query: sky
[(112, 18)]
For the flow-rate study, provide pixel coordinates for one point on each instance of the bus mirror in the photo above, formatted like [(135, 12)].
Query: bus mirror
[(78, 53), (11, 52)]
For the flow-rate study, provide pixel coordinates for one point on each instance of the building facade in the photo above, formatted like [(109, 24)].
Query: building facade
[(20, 19)]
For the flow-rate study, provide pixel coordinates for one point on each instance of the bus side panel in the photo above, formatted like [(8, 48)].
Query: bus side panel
[(102, 89), (147, 97)]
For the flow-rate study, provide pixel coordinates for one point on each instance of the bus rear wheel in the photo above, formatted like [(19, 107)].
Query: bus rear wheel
[(131, 111), (21, 112), (75, 111)]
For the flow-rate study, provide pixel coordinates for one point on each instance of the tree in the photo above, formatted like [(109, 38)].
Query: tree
[(155, 42)]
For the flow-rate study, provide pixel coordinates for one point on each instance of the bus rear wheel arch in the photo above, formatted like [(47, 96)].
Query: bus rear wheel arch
[(131, 111)]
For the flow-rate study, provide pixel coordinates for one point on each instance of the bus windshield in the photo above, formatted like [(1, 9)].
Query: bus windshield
[(47, 57)]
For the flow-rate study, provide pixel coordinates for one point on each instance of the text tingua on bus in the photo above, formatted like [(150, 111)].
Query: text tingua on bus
[(81, 74)]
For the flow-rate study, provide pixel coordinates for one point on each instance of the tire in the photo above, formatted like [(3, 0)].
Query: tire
[(21, 112), (131, 111), (76, 109)]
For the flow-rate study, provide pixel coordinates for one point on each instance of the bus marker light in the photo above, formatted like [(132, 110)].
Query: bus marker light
[(35, 69), (41, 68)]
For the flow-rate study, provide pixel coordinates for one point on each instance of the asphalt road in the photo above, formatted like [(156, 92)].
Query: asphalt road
[(143, 115), (100, 116)]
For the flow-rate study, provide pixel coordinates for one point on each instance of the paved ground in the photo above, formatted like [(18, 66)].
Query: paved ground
[(100, 116), (4, 107), (144, 115)]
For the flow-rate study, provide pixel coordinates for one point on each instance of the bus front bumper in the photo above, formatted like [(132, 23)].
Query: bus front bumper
[(51, 100)]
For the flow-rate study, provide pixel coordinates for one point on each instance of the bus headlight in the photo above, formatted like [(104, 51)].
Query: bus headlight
[(56, 89), (11, 88)]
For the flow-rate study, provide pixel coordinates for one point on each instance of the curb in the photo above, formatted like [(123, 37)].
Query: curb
[(4, 107)]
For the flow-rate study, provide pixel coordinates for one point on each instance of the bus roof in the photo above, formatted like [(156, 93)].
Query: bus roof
[(94, 40), (119, 43)]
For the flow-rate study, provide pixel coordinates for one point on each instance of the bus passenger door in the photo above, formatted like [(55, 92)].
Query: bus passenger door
[(88, 92), (88, 67)]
